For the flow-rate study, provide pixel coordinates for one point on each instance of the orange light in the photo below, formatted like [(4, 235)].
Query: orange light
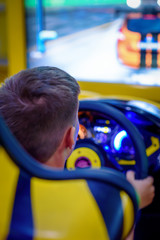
[(82, 132), (148, 58), (149, 54)]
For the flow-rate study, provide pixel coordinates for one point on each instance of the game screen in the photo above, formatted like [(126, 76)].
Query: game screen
[(114, 41)]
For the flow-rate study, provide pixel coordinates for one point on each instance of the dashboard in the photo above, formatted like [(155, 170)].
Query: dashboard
[(112, 139), (146, 117), (107, 134)]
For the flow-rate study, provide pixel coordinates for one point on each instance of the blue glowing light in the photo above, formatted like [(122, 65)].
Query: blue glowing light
[(119, 138), (106, 147)]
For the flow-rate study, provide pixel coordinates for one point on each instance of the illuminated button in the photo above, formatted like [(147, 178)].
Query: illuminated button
[(119, 138)]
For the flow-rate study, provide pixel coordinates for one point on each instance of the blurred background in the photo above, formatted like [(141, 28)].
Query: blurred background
[(99, 42)]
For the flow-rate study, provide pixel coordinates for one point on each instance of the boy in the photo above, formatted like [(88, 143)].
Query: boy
[(40, 106)]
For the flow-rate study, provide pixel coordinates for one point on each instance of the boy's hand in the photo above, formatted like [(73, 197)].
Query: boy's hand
[(144, 188)]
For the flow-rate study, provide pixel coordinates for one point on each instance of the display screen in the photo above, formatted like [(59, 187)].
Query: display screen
[(95, 40)]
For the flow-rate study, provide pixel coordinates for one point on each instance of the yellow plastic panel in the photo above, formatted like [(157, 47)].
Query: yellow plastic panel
[(3, 41), (149, 93), (128, 213), (3, 36), (65, 210), (9, 174), (16, 36)]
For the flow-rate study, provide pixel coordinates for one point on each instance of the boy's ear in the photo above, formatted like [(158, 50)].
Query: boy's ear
[(70, 137)]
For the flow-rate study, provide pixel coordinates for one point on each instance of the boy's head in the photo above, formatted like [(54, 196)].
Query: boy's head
[(38, 105)]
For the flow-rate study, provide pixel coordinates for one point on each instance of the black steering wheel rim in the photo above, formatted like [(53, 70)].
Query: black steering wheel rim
[(141, 168)]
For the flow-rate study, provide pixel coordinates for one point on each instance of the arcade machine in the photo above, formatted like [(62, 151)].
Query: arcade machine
[(117, 64)]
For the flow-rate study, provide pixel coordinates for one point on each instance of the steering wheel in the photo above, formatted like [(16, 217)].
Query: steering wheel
[(141, 167)]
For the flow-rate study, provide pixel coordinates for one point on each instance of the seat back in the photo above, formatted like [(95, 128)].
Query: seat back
[(37, 202)]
